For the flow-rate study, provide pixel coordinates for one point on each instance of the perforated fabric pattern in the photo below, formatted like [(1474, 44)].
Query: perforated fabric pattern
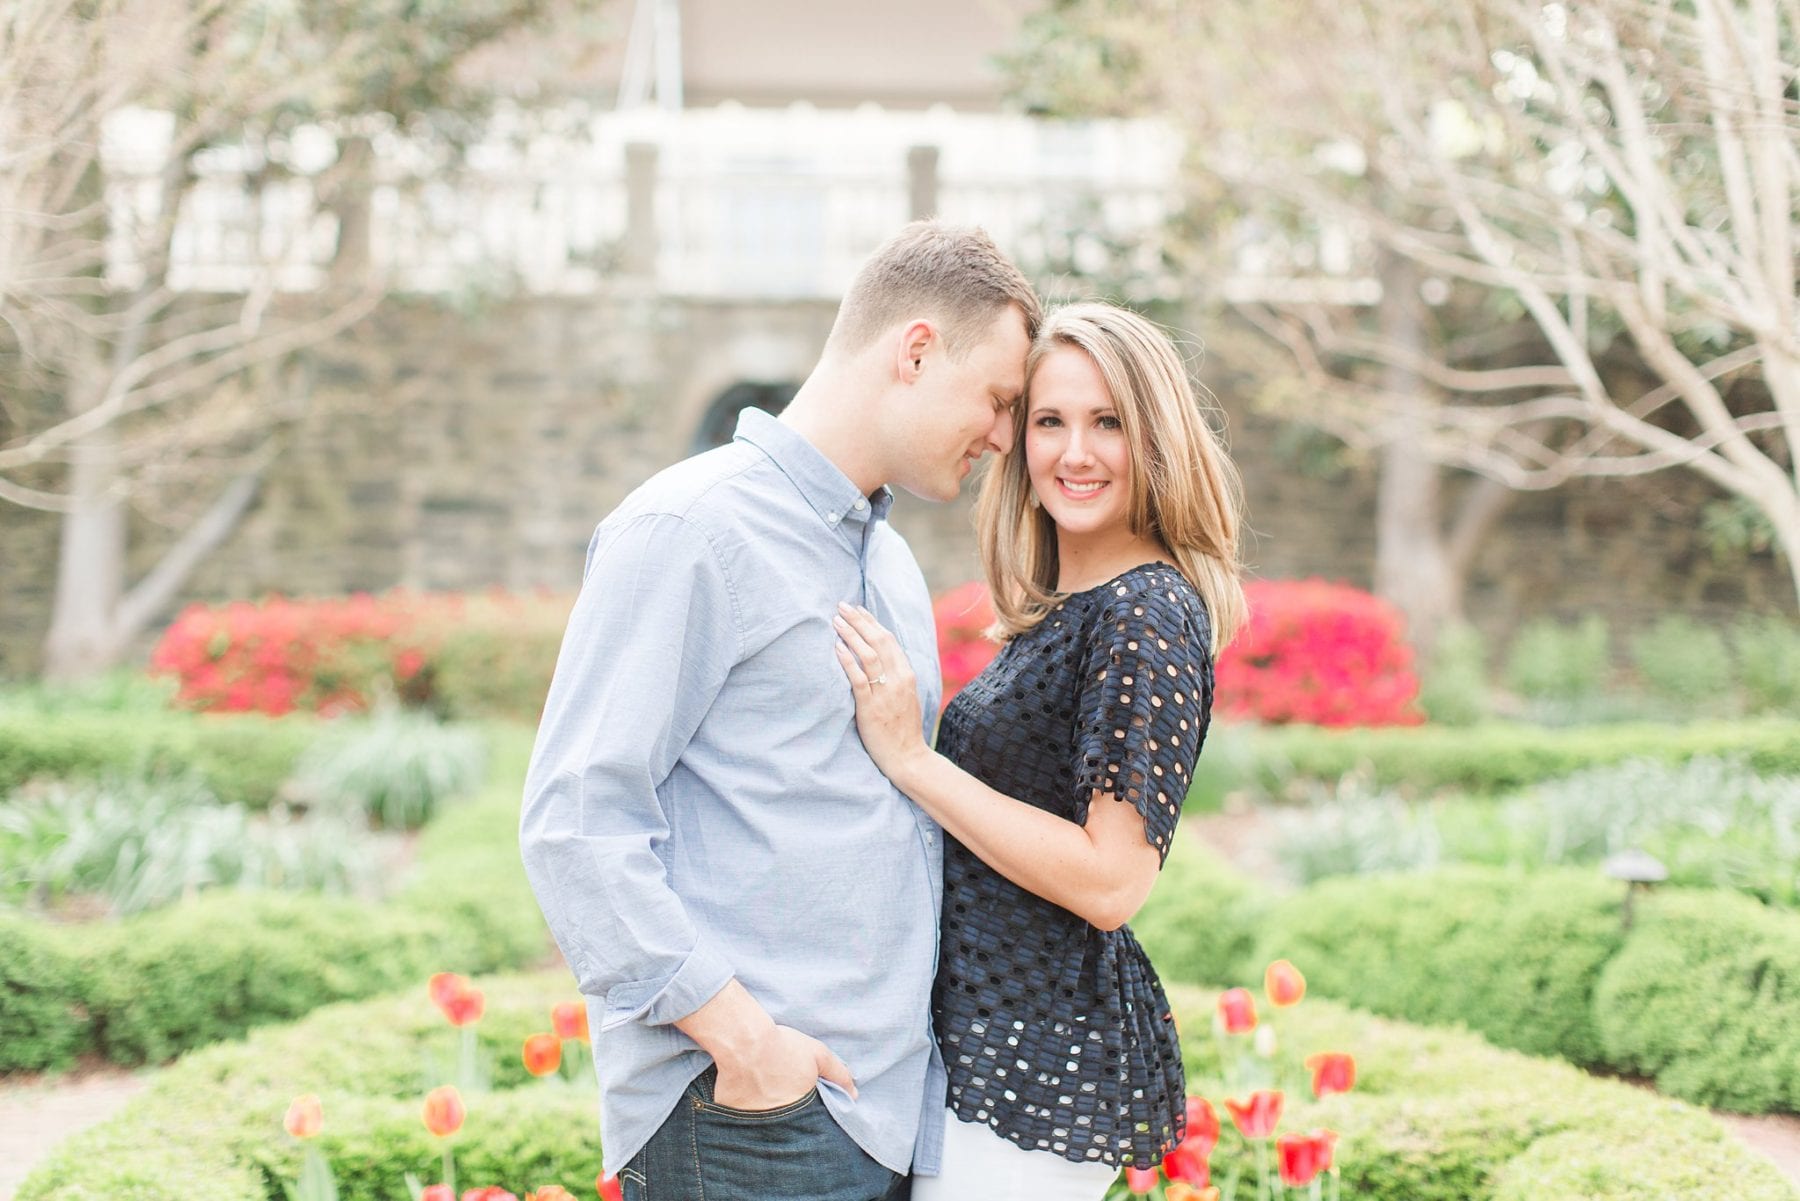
[(1055, 1033)]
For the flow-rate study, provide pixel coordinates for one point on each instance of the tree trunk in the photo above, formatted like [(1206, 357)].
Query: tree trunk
[(1414, 570), (90, 566)]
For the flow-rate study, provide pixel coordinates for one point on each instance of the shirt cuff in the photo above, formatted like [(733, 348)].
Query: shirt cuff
[(698, 980)]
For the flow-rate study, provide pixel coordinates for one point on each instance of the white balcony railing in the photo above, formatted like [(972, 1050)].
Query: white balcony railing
[(726, 202)]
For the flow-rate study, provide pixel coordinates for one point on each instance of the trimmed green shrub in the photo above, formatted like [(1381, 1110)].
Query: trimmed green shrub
[(1499, 758), (1436, 1114), (1768, 664), (1682, 660), (1200, 920), (1454, 689), (243, 759), (1550, 661), (1705, 997), (143, 989), (1515, 957)]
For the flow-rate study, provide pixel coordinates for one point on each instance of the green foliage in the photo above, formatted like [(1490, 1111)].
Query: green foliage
[(1200, 920), (1682, 660), (397, 767), (148, 987), (1354, 831), (1768, 664), (1705, 997), (1436, 1115), (1453, 691), (121, 691), (140, 843), (1513, 956), (242, 759), (1551, 661), (1499, 758)]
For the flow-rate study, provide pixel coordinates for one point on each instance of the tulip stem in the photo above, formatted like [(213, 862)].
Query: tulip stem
[(1262, 1170), (450, 1169)]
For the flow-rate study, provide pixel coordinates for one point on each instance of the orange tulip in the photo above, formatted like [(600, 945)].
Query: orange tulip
[(492, 1192), (437, 1192), (1202, 1133), (304, 1116), (444, 1110), (1257, 1116), (1237, 1011), (569, 1020), (609, 1188), (543, 1054), (1284, 984), (550, 1192), (1333, 1072), (466, 1007), (1187, 1192), (1140, 1181)]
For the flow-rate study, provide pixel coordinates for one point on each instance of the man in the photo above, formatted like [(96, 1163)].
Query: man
[(749, 906)]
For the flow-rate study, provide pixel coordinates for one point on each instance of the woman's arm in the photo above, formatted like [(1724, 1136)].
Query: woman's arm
[(1101, 872)]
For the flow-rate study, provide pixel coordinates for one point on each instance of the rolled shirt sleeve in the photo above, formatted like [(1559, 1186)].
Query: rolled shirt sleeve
[(653, 635)]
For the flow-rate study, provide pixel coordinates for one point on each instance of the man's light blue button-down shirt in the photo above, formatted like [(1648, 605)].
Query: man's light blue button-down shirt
[(699, 805)]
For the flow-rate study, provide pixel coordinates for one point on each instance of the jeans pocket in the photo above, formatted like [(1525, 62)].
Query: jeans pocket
[(791, 1109), (632, 1185)]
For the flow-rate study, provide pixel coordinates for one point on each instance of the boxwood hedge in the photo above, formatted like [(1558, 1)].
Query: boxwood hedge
[(1437, 1115), (242, 758), (1497, 757), (1702, 993), (152, 986)]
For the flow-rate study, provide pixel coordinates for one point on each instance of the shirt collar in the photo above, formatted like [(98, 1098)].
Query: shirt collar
[(827, 489)]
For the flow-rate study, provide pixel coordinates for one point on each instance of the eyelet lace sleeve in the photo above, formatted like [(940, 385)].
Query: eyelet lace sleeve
[(1145, 700)]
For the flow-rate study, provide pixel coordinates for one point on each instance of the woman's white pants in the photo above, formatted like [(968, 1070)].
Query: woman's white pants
[(979, 1165)]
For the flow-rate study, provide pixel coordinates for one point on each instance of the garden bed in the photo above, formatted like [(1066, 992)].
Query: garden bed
[(151, 986), (1436, 1115)]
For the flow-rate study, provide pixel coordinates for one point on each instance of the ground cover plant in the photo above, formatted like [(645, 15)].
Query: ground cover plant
[(207, 968), (1434, 1115)]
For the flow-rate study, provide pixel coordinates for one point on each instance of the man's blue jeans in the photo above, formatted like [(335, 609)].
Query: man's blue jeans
[(709, 1152)]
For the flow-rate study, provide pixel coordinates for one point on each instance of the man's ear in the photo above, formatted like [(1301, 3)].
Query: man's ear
[(916, 338)]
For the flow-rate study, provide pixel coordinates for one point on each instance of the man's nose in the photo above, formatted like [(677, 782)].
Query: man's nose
[(1000, 434)]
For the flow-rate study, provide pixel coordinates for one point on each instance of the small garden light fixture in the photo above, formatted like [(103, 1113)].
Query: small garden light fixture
[(1639, 870)]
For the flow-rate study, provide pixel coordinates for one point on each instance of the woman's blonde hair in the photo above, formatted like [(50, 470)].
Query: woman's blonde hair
[(1185, 493)]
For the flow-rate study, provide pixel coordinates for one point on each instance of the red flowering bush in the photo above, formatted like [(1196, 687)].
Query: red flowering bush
[(963, 614), (1320, 653), (463, 656)]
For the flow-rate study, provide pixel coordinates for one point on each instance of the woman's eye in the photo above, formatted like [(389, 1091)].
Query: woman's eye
[(1110, 423), (1047, 420)]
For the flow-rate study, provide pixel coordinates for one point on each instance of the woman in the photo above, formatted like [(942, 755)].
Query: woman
[(1109, 540)]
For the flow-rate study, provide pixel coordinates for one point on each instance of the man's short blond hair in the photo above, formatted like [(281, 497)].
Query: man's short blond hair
[(953, 275)]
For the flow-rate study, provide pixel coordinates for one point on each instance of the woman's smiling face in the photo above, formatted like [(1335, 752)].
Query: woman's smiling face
[(1075, 447)]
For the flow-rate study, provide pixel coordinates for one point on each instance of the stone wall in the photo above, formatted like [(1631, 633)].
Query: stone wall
[(452, 450)]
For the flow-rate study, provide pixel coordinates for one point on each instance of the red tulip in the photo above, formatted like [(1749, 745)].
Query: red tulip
[(1304, 1156), (437, 1192), (550, 1192), (1333, 1072), (444, 986), (1187, 1165), (1140, 1181), (1237, 1010), (492, 1192), (465, 1008), (1256, 1117), (305, 1116), (569, 1020), (542, 1054), (1284, 984), (1202, 1126), (609, 1188), (444, 1111)]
